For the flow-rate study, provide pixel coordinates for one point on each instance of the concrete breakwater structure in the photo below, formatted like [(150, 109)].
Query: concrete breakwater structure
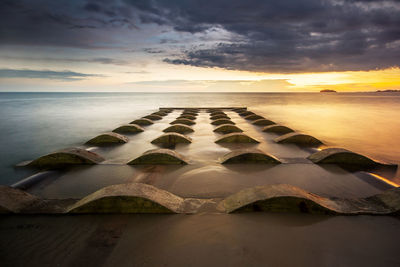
[(206, 159)]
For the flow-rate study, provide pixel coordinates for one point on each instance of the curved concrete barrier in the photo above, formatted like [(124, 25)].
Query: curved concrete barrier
[(253, 117), (129, 128), (245, 113), (171, 139), (238, 110), (248, 156), (222, 121), (196, 110), (279, 129), (129, 198), (288, 198), (183, 121), (236, 138), (299, 139), (214, 113), (142, 122), (186, 116), (159, 157), (220, 116), (153, 117), (160, 113), (14, 200), (166, 110), (342, 156), (263, 122), (179, 128), (68, 156), (108, 139), (195, 114), (228, 128)]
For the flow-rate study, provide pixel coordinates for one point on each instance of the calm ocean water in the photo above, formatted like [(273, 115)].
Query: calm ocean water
[(33, 124)]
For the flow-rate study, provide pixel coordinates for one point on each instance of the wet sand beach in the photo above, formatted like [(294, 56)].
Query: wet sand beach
[(251, 239)]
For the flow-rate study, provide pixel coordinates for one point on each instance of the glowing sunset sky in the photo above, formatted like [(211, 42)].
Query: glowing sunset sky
[(219, 45)]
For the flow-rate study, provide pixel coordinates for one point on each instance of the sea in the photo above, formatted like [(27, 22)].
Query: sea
[(33, 124)]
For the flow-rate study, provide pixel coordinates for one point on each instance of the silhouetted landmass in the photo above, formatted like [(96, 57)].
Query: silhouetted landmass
[(327, 91), (388, 91)]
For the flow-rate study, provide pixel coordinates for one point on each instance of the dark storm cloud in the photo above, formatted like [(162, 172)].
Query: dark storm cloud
[(44, 74), (271, 36), (287, 35)]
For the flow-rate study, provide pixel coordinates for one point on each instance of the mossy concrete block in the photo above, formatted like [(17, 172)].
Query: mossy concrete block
[(239, 110), (142, 122), (108, 139), (288, 198), (183, 121), (160, 113), (186, 116), (69, 156), (248, 156), (220, 116), (153, 117), (171, 139), (190, 113), (14, 200), (299, 139), (159, 157), (277, 198), (179, 128), (166, 110), (342, 156), (129, 198), (222, 121), (236, 138), (129, 128), (213, 110), (263, 122), (228, 128), (253, 117), (279, 129), (191, 110), (245, 113), (214, 113)]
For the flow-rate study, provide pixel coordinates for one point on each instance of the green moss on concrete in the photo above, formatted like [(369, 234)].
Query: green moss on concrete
[(108, 139), (160, 113), (129, 198), (153, 117), (228, 128), (69, 156), (142, 122), (220, 116), (236, 138), (171, 139), (262, 122), (342, 157), (179, 128), (159, 157), (279, 129), (253, 117), (217, 113), (299, 139), (245, 113), (186, 116), (129, 128), (248, 156), (222, 121), (183, 121)]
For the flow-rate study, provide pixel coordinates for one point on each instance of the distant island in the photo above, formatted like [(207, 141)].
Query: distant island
[(327, 91), (388, 91)]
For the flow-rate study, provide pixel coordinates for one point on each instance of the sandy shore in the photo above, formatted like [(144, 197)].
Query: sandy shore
[(255, 239)]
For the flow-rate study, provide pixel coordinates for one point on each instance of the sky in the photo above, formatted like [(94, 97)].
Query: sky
[(199, 45)]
